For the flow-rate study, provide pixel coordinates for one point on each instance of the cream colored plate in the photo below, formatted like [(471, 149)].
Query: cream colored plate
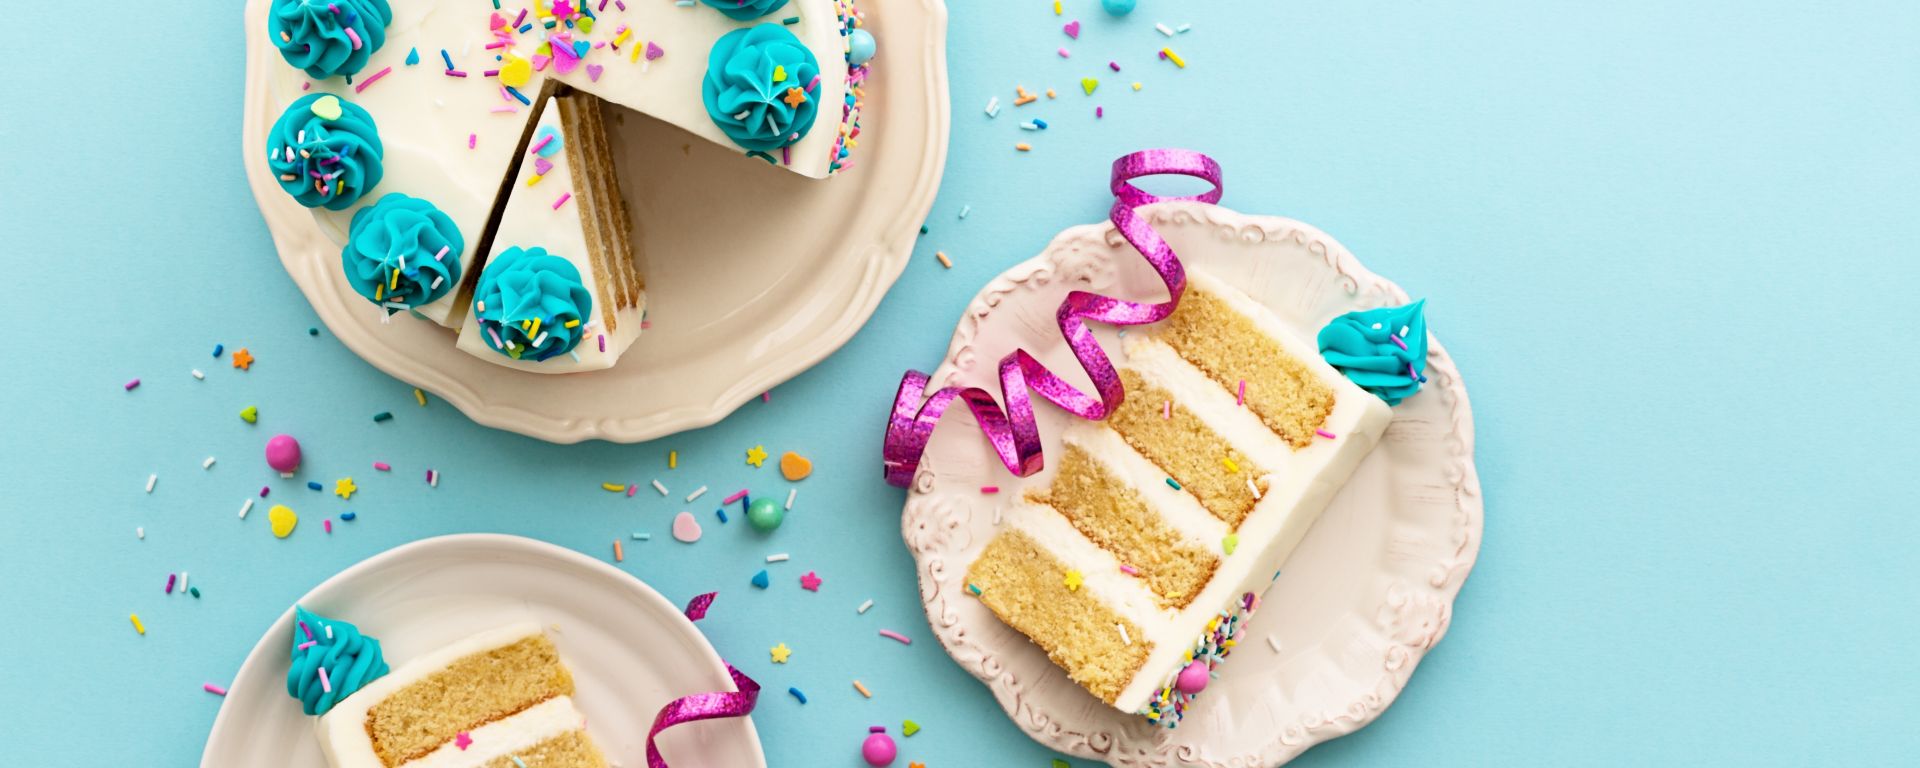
[(1368, 592), (630, 650), (753, 274)]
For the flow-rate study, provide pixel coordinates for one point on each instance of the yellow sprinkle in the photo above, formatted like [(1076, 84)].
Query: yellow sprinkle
[(419, 395), (622, 37), (634, 55), (536, 328), (1229, 643), (1073, 581), (1136, 85), (1056, 7), (1174, 57), (534, 179), (614, 487), (142, 628), (1231, 467), (779, 73), (1024, 147), (378, 291), (394, 282), (944, 261), (673, 459), (1050, 93), (862, 689)]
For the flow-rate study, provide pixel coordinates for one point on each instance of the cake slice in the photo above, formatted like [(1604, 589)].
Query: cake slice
[(1134, 560), (559, 292)]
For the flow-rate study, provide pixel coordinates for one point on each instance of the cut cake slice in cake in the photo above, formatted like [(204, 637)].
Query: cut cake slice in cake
[(1140, 554)]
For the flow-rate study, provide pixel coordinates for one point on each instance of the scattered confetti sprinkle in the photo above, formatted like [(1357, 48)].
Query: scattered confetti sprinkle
[(151, 479), (198, 375), (862, 689), (246, 507), (761, 579), (132, 384), (798, 695), (892, 635), (661, 488), (344, 488), (909, 728), (1073, 581), (1273, 643), (208, 464), (810, 581), (137, 626), (944, 261), (383, 416), (242, 359), (779, 558), (1230, 543), (213, 689), (757, 455), (1324, 433), (780, 653)]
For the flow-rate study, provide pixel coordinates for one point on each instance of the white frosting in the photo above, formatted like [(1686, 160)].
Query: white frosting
[(343, 731), (530, 219), (1300, 483)]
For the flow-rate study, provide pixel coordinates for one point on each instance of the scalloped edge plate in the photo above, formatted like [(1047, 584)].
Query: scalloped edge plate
[(1367, 594)]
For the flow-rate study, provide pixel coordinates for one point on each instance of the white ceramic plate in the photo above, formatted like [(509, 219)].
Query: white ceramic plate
[(630, 650), (753, 274), (1368, 592)]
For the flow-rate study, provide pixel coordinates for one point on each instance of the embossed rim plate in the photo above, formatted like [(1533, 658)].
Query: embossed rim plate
[(744, 292), (630, 650), (1367, 594)]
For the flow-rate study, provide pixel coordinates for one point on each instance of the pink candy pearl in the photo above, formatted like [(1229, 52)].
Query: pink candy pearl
[(878, 749), (1193, 679), (283, 454)]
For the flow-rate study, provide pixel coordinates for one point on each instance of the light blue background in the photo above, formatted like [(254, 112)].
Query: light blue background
[(1672, 246)]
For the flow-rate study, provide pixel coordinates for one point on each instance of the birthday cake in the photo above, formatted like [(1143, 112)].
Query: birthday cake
[(408, 130), (498, 698), (1134, 562)]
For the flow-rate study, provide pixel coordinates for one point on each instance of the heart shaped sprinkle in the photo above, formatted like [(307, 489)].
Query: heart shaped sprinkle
[(685, 528), (327, 107), (794, 466), (593, 72), (1072, 29), (283, 520)]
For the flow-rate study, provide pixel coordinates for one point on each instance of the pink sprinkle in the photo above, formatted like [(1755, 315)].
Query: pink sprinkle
[(1113, 65), (507, 109), (170, 579), (541, 144), (522, 17), (1396, 340), (621, 4), (564, 197), (327, 524), (472, 139), (496, 44), (326, 686), (1099, 112), (1063, 52), (989, 489), (305, 645), (306, 86), (892, 635), (1166, 409), (263, 491), (362, 85), (306, 629), (786, 155), (1324, 433), (382, 466), (132, 384), (737, 495), (654, 51), (1413, 374), (631, 489), (766, 397), (1241, 398), (603, 339), (1128, 570), (489, 73), (454, 73), (355, 37), (214, 689)]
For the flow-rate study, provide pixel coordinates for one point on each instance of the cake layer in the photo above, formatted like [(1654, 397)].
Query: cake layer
[(1115, 517), (1024, 584), (1237, 354), (1184, 447), (548, 734)]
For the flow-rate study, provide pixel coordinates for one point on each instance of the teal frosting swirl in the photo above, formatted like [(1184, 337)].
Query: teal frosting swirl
[(761, 87), (401, 234), (1358, 344), (351, 659), (741, 10), (328, 37), (522, 285), (325, 162)]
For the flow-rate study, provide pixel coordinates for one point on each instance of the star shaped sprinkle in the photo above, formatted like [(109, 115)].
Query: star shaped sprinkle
[(242, 359), (462, 740), (1073, 581), (344, 488), (755, 455), (795, 97), (810, 582), (780, 653)]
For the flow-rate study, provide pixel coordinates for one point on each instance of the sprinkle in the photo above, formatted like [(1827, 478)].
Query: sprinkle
[(690, 496), (170, 579), (964, 210), (1169, 55), (619, 555), (141, 532), (151, 479), (327, 524), (245, 508), (1073, 580), (613, 487), (326, 686), (1136, 85), (722, 514), (371, 79), (1056, 7), (1164, 29), (433, 478), (383, 466), (631, 489), (1024, 147), (1129, 570), (348, 516), (446, 57), (791, 492), (944, 261), (518, 95), (1231, 467), (1124, 639), (798, 695), (420, 396), (790, 20), (213, 689), (137, 626), (1273, 643), (383, 416), (1063, 52), (862, 689), (892, 635), (198, 375), (1390, 337), (989, 489), (779, 558), (1174, 483), (1324, 433), (1230, 543), (208, 464), (132, 384), (974, 588), (661, 488), (1166, 409), (1113, 65), (564, 197), (217, 349), (1240, 398), (993, 107), (737, 495), (1254, 489), (1183, 28), (864, 606)]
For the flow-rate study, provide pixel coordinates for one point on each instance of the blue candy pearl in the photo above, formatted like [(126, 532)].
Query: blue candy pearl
[(1118, 7), (860, 47)]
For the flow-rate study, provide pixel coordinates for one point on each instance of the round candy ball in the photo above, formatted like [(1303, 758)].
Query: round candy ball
[(1193, 679), (879, 749), (283, 454), (860, 47), (1118, 7), (765, 514)]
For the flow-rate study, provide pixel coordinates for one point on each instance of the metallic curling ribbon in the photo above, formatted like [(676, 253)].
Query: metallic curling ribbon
[(1014, 434), (702, 706)]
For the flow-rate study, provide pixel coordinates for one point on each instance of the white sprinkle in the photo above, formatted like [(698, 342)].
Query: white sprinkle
[(151, 479), (433, 478), (656, 484), (437, 280), (964, 210), (1376, 326), (790, 494), (1029, 126), (542, 339), (1403, 331), (697, 494), (993, 107), (198, 375), (1254, 488), (1182, 29), (779, 558), (208, 464), (245, 508), (142, 533), (1123, 634), (1272, 643), (864, 606), (1164, 29), (643, 536), (183, 582), (329, 631)]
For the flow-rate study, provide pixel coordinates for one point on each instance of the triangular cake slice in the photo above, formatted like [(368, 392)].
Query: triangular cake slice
[(559, 292), (1134, 560)]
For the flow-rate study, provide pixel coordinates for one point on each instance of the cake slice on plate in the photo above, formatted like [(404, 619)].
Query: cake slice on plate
[(1134, 564), (559, 292)]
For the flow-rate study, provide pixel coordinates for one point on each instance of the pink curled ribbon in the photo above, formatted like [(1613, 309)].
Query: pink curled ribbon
[(1013, 432), (702, 706)]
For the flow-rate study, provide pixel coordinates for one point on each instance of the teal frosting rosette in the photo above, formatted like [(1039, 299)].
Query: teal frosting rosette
[(1384, 351), (531, 305), (331, 660), (402, 250), (328, 37), (761, 86), (325, 151), (741, 10)]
